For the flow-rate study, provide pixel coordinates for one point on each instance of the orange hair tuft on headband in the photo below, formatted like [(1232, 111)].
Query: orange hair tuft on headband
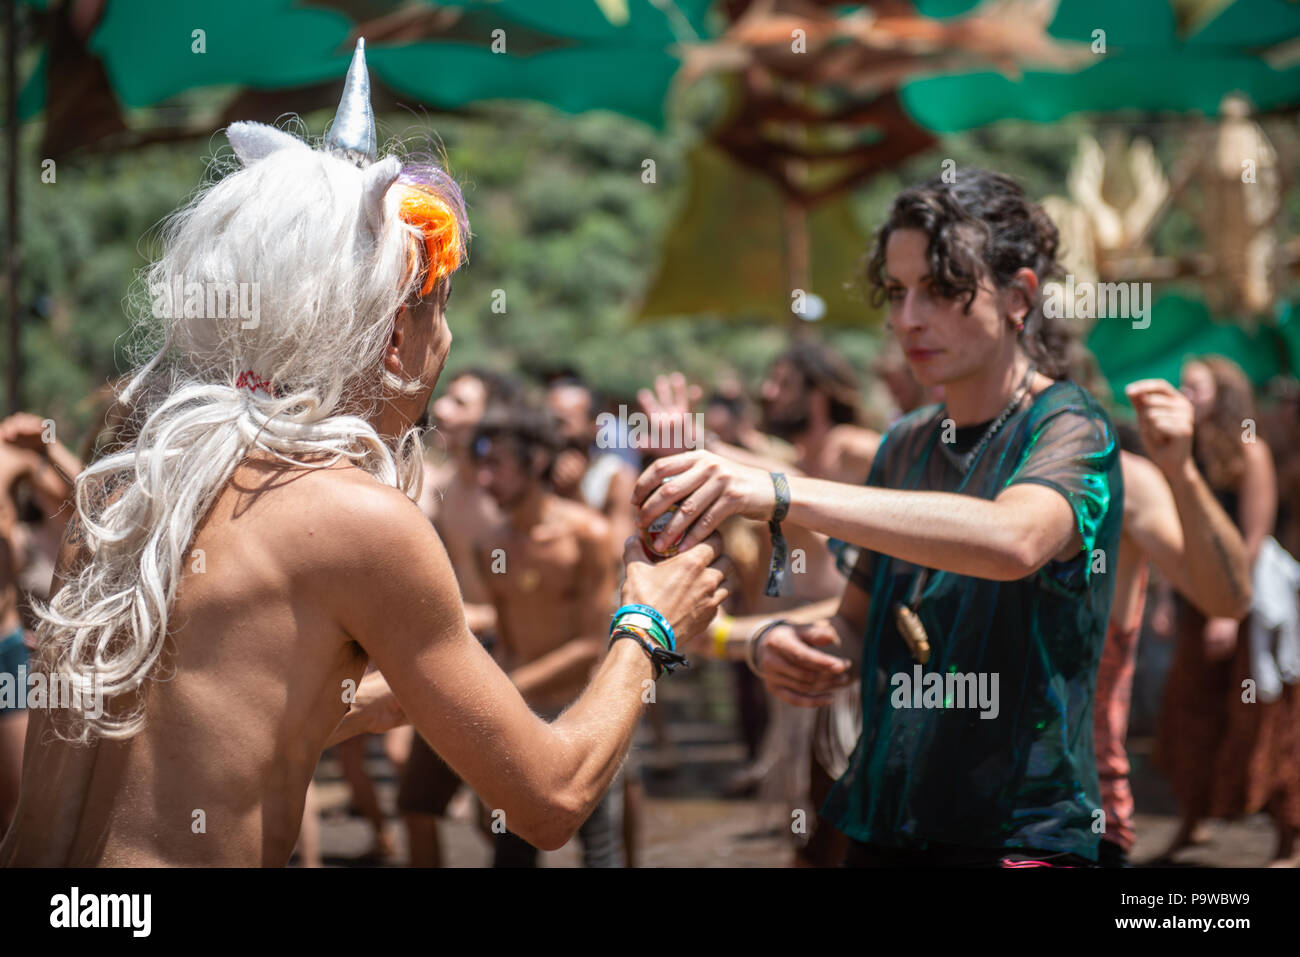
[(440, 228)]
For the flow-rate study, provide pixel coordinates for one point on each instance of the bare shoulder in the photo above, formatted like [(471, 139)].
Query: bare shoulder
[(1258, 454), (339, 515), (590, 526), (366, 551), (340, 485)]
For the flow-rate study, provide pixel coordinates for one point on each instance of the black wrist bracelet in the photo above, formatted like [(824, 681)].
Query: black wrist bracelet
[(776, 577), (660, 657)]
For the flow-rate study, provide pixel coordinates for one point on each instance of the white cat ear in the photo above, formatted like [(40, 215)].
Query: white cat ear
[(375, 182), (254, 141)]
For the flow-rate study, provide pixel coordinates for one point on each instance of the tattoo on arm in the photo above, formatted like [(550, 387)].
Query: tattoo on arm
[(1230, 571)]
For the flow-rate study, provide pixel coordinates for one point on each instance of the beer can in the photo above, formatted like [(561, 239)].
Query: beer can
[(657, 526)]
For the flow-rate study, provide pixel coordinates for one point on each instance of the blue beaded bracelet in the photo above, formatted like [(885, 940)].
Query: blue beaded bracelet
[(649, 612)]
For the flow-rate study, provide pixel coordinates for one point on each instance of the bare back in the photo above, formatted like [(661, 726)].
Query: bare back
[(248, 690)]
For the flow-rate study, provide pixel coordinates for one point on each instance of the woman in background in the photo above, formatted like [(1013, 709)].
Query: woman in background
[(1224, 756)]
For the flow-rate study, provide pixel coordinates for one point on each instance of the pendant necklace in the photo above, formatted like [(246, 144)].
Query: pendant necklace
[(909, 622)]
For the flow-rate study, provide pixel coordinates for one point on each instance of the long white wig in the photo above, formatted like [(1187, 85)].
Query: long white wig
[(332, 258)]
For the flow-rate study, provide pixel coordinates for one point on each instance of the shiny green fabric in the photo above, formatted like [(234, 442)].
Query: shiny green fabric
[(1026, 777)]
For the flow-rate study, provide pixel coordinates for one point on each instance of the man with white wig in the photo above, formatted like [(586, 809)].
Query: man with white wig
[(231, 570)]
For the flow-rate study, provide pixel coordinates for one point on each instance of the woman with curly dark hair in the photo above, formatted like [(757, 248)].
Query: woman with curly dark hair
[(977, 610), (1226, 752)]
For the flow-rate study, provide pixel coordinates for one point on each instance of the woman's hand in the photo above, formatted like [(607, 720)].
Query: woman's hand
[(707, 488), (686, 589), (796, 671)]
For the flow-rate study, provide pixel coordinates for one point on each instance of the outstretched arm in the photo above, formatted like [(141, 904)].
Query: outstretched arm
[(1005, 539), (545, 777)]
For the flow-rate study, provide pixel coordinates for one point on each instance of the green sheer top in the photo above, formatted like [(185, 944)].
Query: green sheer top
[(1015, 768)]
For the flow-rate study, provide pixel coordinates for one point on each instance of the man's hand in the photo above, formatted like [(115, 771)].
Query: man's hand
[(567, 470), (24, 430), (374, 710), (796, 671), (686, 589), (21, 448), (708, 489), (668, 408), (1165, 418)]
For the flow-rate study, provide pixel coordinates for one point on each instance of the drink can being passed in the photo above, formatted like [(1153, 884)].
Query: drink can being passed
[(657, 526)]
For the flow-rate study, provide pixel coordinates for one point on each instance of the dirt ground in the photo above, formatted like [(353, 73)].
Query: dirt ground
[(685, 821)]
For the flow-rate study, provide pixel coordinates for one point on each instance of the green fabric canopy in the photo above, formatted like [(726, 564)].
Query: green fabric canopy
[(1152, 62), (623, 55), (568, 54), (576, 55), (1181, 326)]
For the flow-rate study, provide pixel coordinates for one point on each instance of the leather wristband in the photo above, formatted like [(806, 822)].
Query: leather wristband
[(661, 659)]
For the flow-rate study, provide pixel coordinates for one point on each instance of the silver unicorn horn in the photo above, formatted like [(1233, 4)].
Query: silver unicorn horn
[(352, 134)]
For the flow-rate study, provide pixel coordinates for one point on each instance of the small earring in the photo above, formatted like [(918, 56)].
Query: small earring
[(1020, 325)]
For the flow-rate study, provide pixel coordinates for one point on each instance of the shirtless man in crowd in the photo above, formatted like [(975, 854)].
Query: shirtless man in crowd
[(600, 477), (452, 497), (547, 571), (811, 399)]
